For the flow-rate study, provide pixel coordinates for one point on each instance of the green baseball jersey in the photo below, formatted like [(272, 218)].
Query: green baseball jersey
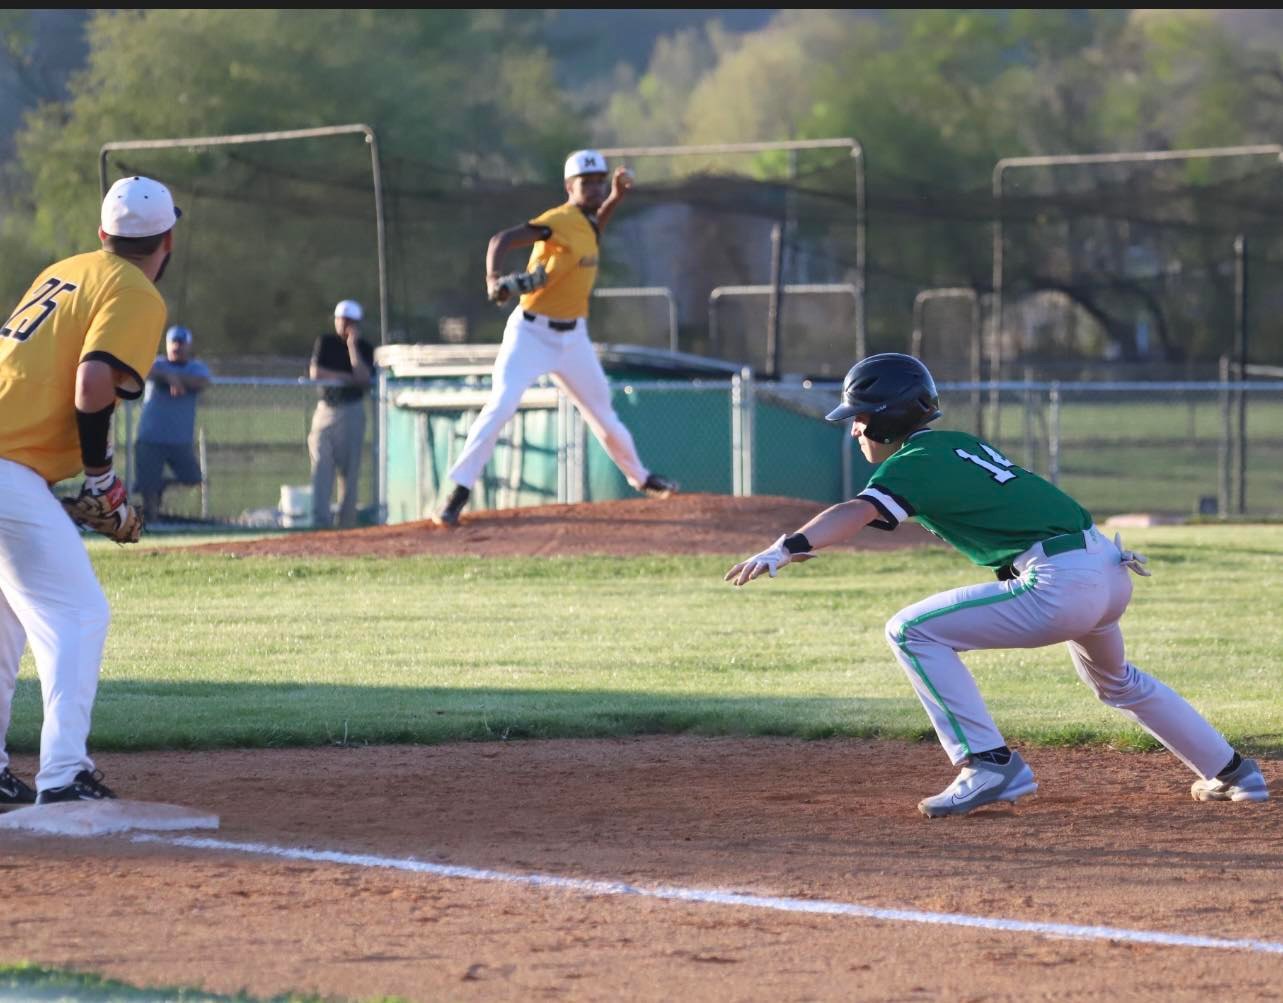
[(971, 496)]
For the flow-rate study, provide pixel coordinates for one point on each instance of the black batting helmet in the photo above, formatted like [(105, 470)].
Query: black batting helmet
[(895, 394)]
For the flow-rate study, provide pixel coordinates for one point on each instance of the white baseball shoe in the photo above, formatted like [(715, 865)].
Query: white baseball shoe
[(979, 784), (1244, 784)]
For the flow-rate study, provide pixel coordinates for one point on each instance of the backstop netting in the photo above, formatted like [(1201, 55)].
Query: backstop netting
[(275, 233), (1128, 270)]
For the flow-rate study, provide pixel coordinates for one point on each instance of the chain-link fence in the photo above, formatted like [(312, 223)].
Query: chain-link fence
[(1182, 448), (251, 441)]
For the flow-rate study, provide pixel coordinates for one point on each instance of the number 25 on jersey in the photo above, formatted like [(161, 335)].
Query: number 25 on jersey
[(23, 323)]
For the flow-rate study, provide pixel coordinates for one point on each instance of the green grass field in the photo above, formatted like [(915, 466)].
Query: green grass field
[(24, 983), (208, 650)]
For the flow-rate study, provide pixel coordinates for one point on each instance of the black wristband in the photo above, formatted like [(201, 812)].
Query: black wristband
[(797, 544), (95, 436)]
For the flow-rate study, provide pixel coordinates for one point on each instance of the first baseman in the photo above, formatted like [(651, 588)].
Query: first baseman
[(548, 332), (84, 334), (1059, 579)]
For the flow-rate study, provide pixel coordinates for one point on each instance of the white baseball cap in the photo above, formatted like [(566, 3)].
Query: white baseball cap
[(138, 207), (349, 310), (585, 162)]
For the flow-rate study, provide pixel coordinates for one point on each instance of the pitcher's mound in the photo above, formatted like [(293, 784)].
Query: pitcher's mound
[(683, 524), (98, 818)]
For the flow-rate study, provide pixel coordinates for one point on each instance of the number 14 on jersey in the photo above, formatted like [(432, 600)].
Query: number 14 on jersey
[(1000, 468)]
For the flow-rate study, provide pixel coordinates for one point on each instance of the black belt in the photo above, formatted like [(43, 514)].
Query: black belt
[(556, 325), (1062, 544)]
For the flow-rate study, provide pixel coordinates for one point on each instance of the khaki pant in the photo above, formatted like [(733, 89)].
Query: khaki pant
[(335, 444)]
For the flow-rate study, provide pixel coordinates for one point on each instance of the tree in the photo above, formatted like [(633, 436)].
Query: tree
[(457, 89)]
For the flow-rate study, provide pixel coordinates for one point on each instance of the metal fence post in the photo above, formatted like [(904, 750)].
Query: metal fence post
[(1053, 433), (775, 305), (563, 479), (1240, 338), (380, 463), (1226, 446), (579, 471), (746, 411), (203, 459), (1028, 395), (737, 434)]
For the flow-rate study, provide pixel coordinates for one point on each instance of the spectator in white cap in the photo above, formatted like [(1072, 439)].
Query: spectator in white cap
[(345, 361), (167, 428), (548, 332)]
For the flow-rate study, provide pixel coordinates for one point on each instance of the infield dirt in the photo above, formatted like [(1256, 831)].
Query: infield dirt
[(1112, 839)]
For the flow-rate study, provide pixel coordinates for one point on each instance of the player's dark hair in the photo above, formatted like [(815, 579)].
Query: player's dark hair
[(132, 247)]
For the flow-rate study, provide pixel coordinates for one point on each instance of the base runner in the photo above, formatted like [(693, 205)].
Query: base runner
[(1059, 580)]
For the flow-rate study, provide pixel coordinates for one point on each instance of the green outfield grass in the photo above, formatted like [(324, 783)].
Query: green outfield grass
[(209, 650), (28, 983)]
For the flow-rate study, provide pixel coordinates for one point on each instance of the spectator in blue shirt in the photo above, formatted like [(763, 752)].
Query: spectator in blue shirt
[(168, 425)]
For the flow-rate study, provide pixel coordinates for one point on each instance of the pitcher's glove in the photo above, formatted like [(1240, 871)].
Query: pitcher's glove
[(504, 287), (103, 506)]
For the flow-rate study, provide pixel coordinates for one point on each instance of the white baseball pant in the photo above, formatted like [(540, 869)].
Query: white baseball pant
[(530, 349), (48, 594), (1076, 597)]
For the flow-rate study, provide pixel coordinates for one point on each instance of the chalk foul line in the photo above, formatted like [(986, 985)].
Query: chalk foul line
[(707, 896)]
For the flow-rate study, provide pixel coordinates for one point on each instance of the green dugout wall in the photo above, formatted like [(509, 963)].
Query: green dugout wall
[(699, 421)]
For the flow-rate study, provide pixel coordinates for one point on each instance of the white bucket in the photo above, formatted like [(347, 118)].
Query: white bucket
[(296, 505)]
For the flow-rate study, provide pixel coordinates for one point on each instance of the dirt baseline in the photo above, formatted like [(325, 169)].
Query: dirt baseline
[(1111, 840)]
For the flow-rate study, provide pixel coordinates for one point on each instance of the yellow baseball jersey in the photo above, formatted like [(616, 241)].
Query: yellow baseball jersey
[(94, 306), (569, 255)]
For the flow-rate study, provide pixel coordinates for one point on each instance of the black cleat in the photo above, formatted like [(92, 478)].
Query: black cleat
[(449, 515), (659, 486), (13, 792), (87, 786)]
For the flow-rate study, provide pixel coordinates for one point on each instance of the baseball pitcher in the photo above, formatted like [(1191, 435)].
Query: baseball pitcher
[(1059, 579), (84, 334), (548, 332)]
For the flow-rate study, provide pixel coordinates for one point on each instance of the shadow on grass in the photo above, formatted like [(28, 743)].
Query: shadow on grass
[(134, 716)]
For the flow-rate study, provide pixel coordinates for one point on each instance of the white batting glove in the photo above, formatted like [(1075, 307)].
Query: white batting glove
[(768, 561), (1132, 561)]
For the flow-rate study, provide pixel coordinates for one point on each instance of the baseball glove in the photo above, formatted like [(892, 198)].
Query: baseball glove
[(107, 512), (517, 284)]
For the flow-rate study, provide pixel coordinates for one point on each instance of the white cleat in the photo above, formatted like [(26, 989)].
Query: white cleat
[(980, 784), (1244, 784)]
